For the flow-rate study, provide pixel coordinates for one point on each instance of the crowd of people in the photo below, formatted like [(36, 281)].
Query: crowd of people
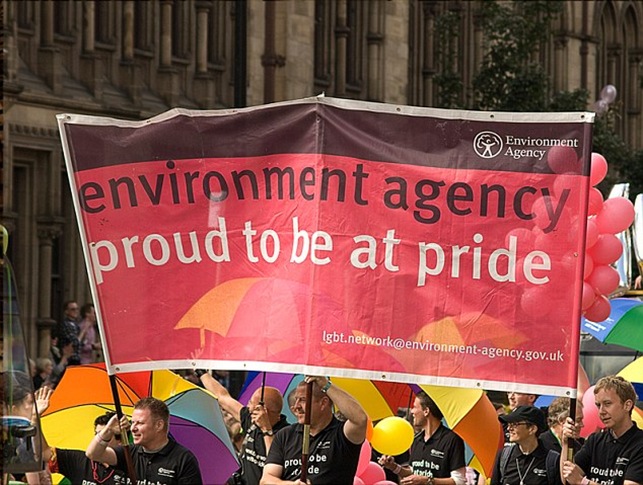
[(535, 452), (270, 448)]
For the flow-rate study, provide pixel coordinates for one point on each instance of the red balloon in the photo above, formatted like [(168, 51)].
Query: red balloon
[(604, 279), (608, 248), (598, 169), (373, 473), (616, 216), (595, 203), (592, 233), (358, 481), (562, 159), (592, 422), (599, 310), (589, 266), (589, 295)]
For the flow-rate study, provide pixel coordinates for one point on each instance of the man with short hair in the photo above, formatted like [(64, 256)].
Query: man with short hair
[(68, 331), (613, 455), (437, 453), (156, 456), (525, 460), (75, 465), (334, 445), (259, 422), (520, 399), (557, 415)]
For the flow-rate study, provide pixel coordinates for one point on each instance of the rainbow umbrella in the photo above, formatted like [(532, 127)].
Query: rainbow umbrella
[(633, 372), (623, 326), (196, 422)]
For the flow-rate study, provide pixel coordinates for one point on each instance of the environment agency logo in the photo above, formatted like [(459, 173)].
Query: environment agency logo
[(487, 144)]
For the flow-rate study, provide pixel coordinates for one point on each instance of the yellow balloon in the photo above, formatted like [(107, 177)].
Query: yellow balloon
[(392, 436)]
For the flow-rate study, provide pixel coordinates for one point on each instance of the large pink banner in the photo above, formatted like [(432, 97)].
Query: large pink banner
[(338, 237)]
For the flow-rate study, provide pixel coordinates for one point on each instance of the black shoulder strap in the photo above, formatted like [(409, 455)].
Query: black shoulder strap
[(552, 466), (504, 459)]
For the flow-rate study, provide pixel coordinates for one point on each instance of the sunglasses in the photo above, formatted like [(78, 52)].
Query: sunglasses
[(513, 425)]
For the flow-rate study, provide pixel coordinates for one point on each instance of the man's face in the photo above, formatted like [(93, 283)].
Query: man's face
[(72, 310), (299, 408), (519, 399), (145, 429), (518, 432), (418, 413), (611, 409)]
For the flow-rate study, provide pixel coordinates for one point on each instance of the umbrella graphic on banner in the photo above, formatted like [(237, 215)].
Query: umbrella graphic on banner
[(196, 421), (622, 327)]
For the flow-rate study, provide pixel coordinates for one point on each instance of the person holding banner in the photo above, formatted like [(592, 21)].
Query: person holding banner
[(334, 445), (525, 460), (558, 412), (260, 420), (157, 457), (615, 454), (437, 453)]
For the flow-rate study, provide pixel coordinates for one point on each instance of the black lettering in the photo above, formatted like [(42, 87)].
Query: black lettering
[(518, 204), (85, 196), (116, 198), (280, 182), (399, 193), (173, 183), (486, 190), (236, 178), (306, 181), (341, 183), (422, 198), (219, 196), (453, 196), (189, 179), (359, 175), (153, 195)]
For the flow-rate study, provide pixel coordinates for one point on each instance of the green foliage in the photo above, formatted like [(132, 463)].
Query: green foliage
[(448, 80)]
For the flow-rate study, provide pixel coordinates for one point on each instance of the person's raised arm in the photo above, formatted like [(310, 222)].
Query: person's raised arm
[(227, 402), (356, 418), (98, 449)]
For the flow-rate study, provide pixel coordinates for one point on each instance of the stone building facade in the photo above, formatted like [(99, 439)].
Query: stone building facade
[(133, 59)]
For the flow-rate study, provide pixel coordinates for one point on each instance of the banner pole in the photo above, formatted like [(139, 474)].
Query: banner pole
[(305, 444), (131, 471)]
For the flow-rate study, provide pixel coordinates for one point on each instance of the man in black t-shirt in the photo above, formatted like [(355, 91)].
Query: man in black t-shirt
[(259, 422), (557, 415), (334, 445), (615, 454), (156, 457), (437, 453)]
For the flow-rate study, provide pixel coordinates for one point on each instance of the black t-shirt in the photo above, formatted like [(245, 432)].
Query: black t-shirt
[(81, 470), (171, 465), (551, 442), (438, 456), (524, 469), (332, 459), (253, 451), (609, 460)]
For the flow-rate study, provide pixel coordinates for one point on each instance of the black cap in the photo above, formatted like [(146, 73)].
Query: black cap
[(531, 414)]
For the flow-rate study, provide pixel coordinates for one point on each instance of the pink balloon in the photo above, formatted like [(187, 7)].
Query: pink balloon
[(385, 482), (590, 414), (616, 216), (562, 159), (598, 169), (364, 457), (608, 248), (589, 295), (595, 203), (599, 310), (604, 279), (373, 473), (592, 233), (358, 481)]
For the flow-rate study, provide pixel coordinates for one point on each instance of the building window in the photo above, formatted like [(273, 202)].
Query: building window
[(62, 18), (180, 29), (24, 15), (323, 43), (143, 15), (104, 22), (217, 33), (354, 45)]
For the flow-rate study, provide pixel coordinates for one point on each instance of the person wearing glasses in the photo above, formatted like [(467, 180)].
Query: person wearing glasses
[(68, 330), (74, 465), (525, 460)]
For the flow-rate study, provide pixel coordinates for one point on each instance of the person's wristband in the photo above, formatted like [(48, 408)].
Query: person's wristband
[(101, 440), (397, 469), (584, 481), (200, 372), (327, 386)]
